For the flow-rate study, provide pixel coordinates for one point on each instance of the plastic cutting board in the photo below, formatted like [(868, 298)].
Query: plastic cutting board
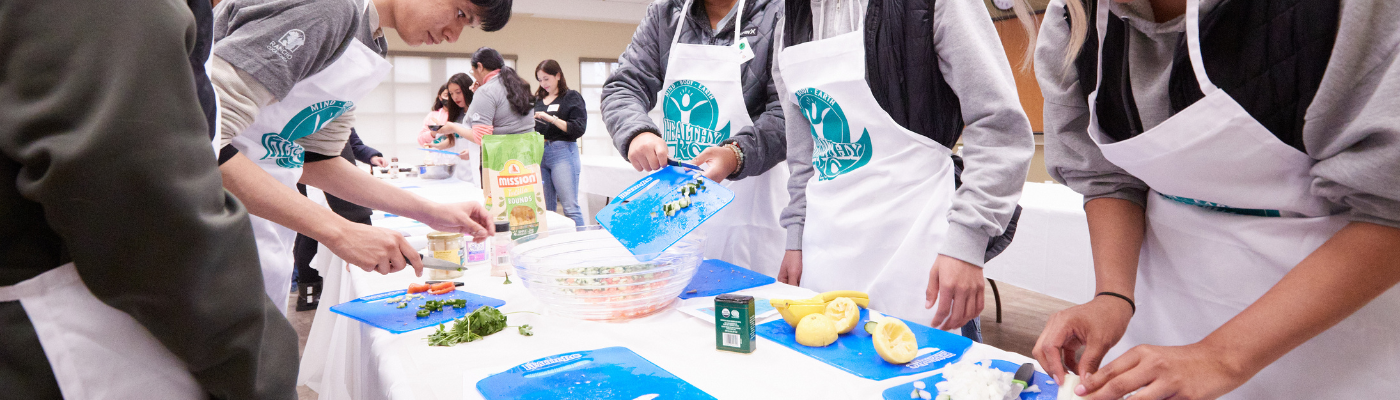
[(606, 373), (715, 277), (635, 217), (854, 352), (1048, 389), (375, 311)]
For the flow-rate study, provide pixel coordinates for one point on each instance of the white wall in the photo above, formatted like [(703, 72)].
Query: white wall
[(530, 39)]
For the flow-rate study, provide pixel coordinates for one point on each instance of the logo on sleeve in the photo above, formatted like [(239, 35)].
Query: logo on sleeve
[(290, 42), (690, 115), (834, 153), (282, 146)]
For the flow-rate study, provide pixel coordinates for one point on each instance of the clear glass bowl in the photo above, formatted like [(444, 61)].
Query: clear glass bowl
[(583, 272)]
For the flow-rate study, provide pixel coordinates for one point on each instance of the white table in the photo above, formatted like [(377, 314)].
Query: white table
[(1050, 253), (345, 359)]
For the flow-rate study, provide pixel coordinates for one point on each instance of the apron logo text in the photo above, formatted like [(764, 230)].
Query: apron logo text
[(834, 153), (690, 116), (282, 146)]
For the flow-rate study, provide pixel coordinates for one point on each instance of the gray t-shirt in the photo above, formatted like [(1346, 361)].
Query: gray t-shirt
[(281, 42), (490, 107)]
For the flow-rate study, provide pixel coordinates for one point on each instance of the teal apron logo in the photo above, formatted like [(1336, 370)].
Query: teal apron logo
[(282, 147), (833, 153), (690, 115)]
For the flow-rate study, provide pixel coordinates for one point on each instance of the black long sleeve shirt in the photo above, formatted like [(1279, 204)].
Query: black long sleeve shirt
[(571, 109)]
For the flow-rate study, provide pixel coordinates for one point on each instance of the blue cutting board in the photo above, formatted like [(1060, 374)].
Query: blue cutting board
[(854, 352), (1048, 389), (606, 373), (715, 277), (635, 217), (373, 310)]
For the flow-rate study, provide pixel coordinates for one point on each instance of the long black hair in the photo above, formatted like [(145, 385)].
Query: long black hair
[(551, 67), (494, 13), (517, 90), (464, 81)]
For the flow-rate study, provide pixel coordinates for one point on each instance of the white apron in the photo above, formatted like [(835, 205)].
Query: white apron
[(269, 143), (702, 104), (468, 170), (96, 351), (1229, 213), (877, 204)]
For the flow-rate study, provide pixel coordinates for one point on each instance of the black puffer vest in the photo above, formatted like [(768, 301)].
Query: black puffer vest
[(901, 65), (1268, 55)]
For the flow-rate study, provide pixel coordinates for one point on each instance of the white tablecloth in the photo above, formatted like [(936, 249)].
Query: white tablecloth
[(345, 359), (1050, 253)]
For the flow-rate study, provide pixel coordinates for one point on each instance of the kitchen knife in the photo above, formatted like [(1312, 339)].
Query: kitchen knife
[(1021, 380)]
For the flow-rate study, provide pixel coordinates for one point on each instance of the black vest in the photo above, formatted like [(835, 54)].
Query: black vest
[(901, 65), (1268, 55)]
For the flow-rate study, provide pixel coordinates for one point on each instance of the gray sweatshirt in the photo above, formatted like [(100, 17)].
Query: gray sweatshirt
[(490, 107), (997, 141), (1351, 127)]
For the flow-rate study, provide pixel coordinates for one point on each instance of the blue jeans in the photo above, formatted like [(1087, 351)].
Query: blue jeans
[(560, 169)]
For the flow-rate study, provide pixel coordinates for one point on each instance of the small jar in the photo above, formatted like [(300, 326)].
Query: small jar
[(501, 244), (450, 247), (478, 253)]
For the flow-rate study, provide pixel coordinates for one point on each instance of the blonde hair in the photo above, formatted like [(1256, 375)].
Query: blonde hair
[(1078, 30), (1025, 13)]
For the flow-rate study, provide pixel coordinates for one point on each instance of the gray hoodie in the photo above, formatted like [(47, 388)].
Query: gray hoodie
[(631, 92)]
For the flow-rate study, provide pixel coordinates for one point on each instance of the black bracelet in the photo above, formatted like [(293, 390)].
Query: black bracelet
[(1125, 298)]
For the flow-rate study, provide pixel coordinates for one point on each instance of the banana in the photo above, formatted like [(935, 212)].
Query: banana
[(853, 294), (861, 299)]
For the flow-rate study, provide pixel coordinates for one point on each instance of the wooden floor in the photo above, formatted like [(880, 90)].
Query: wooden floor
[(1023, 316)]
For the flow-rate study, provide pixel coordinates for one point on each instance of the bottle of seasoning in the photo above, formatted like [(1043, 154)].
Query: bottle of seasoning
[(447, 246), (394, 168), (501, 243)]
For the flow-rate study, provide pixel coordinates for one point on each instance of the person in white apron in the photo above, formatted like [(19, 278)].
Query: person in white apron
[(125, 271), (880, 197), (1249, 284), (701, 101), (315, 107)]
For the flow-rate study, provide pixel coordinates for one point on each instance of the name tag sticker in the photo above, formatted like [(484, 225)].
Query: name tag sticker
[(552, 108), (745, 50)]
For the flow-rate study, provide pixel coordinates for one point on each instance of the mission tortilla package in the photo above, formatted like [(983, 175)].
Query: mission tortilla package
[(514, 192)]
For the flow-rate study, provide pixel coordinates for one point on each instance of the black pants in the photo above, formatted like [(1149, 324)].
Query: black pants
[(305, 248)]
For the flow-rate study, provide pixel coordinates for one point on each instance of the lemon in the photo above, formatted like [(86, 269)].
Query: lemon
[(894, 341), (816, 330), (844, 312)]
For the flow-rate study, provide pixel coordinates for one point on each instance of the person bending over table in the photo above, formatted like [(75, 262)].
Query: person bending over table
[(1239, 160), (287, 74)]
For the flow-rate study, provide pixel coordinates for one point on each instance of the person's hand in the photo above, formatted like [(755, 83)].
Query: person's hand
[(1096, 326), (722, 162), (447, 143), (379, 161), (467, 218), (480, 131), (544, 116), (956, 287), (465, 155), (1194, 371), (647, 152), (373, 249), (790, 272)]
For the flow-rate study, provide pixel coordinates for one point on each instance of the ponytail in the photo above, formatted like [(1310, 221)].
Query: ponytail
[(517, 91)]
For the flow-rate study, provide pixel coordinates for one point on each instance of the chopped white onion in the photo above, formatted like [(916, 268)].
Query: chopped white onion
[(974, 380)]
